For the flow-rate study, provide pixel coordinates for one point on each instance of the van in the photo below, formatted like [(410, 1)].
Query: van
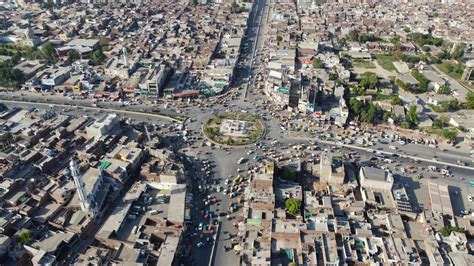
[(392, 147)]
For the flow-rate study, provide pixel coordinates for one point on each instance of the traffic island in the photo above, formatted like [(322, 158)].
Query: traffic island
[(234, 129)]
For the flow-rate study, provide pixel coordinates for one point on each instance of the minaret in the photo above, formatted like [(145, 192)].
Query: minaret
[(125, 59), (85, 204)]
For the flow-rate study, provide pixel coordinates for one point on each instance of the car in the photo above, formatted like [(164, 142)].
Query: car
[(200, 244), (200, 227), (469, 198), (226, 182), (225, 191)]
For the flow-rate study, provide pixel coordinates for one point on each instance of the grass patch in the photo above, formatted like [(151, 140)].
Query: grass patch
[(451, 69), (455, 71), (362, 64), (386, 61)]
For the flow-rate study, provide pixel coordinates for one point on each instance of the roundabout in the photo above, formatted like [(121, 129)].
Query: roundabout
[(234, 129)]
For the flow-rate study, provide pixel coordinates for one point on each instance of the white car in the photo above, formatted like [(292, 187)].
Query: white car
[(469, 198), (226, 182), (218, 189), (225, 191)]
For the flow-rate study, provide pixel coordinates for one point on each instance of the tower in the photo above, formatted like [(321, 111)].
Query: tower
[(125, 59), (80, 187)]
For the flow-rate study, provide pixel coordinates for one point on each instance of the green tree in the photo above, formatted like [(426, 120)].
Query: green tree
[(395, 100), (412, 117), (25, 237), (195, 2), (439, 123), (386, 116), (342, 42), (234, 8), (458, 51), (444, 90), (289, 174), (50, 53), (449, 134), (407, 29), (425, 49), (370, 115), (292, 206), (405, 125), (353, 36), (97, 57), (73, 55), (422, 80), (369, 80), (355, 105), (279, 39), (318, 63), (444, 55), (470, 100)]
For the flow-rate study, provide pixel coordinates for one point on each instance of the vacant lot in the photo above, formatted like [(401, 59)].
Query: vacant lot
[(386, 61), (362, 64)]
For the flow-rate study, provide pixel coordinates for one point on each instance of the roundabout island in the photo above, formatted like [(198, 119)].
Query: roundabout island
[(234, 129)]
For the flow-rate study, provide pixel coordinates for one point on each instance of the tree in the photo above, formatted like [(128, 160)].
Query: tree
[(470, 100), (458, 51), (444, 90), (355, 105), (369, 80), (318, 63), (395, 100), (370, 115), (25, 237), (353, 36), (292, 206), (425, 49), (438, 123), (73, 55), (49, 53), (386, 116), (422, 80), (443, 55), (289, 174), (449, 134), (412, 117), (342, 42), (97, 57), (279, 39), (195, 2), (234, 7), (407, 29)]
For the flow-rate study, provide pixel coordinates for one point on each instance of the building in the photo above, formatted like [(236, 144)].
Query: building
[(331, 170), (375, 178), (92, 189), (440, 200), (105, 125)]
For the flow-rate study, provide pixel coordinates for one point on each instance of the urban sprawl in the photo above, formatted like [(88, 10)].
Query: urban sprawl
[(237, 132)]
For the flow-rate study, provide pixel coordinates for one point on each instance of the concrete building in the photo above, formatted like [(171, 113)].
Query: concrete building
[(105, 125), (375, 178)]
